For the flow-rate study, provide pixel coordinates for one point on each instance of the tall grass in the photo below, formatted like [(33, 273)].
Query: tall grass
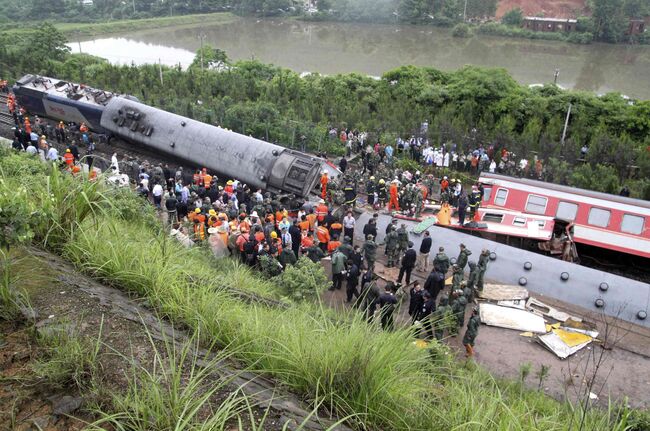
[(13, 299), (68, 358), (343, 365)]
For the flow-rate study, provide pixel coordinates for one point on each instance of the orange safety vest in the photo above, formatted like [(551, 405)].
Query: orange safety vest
[(304, 225), (199, 231), (322, 234), (207, 180), (311, 218), (69, 159), (321, 212), (333, 245)]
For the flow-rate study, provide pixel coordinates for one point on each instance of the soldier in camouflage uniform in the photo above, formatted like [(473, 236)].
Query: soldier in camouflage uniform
[(457, 277), (370, 252), (418, 201), (483, 260), (441, 317), (473, 275), (402, 240), (391, 247), (458, 309)]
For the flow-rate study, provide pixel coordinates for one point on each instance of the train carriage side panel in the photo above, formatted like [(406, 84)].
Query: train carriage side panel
[(255, 162), (66, 109)]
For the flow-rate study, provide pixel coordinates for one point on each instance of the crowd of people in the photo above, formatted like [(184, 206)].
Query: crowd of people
[(270, 232)]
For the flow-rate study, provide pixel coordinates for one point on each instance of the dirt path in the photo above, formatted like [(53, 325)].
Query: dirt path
[(60, 295)]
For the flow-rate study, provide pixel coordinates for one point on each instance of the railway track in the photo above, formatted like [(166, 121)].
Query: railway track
[(6, 119)]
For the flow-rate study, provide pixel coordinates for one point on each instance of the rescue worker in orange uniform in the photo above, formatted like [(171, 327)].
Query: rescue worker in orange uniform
[(323, 185), (333, 245), (393, 203), (321, 211), (69, 158), (28, 126), (323, 236), (83, 128)]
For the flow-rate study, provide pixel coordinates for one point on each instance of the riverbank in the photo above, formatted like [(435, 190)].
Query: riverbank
[(77, 30)]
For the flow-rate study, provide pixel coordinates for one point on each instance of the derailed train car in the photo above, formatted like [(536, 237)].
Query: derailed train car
[(255, 162)]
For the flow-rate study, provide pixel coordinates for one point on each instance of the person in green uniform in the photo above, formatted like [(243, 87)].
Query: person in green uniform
[(473, 275), (457, 277), (458, 309), (441, 261), (472, 331), (370, 252), (463, 257), (483, 260), (441, 317), (402, 240), (391, 247)]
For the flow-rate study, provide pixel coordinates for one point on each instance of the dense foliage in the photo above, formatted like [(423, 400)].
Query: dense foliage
[(464, 109)]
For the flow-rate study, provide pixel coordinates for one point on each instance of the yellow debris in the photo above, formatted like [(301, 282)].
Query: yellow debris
[(549, 328), (572, 339), (448, 281), (527, 334)]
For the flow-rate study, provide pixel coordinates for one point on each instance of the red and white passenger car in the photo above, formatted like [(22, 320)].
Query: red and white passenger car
[(599, 220)]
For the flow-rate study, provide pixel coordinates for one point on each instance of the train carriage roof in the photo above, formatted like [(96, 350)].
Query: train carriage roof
[(567, 189)]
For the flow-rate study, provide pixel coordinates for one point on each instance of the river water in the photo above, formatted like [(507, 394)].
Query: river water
[(372, 49)]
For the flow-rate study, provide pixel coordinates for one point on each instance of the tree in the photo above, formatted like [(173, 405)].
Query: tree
[(411, 10), (210, 58), (513, 17), (609, 20), (48, 43)]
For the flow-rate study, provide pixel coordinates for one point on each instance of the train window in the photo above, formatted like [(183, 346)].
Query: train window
[(519, 221), (501, 196), (566, 211), (487, 192), (632, 224), (599, 217), (536, 204), (497, 218)]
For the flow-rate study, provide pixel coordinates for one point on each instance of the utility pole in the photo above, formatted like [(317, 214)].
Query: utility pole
[(566, 125), (134, 7), (160, 71), (465, 12), (202, 36), (555, 75)]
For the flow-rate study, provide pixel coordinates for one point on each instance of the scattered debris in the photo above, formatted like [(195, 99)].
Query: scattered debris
[(538, 306), (511, 318), (513, 303), (558, 341), (503, 292)]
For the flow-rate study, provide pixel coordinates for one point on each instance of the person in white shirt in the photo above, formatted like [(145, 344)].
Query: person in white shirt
[(348, 226), (157, 193), (31, 149), (52, 154)]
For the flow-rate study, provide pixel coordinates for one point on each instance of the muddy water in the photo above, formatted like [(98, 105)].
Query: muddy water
[(372, 49)]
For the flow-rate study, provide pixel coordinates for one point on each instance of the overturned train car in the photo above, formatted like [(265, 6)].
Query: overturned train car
[(255, 162)]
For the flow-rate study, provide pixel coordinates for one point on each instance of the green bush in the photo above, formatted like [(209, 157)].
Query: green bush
[(305, 280), (461, 30), (513, 17)]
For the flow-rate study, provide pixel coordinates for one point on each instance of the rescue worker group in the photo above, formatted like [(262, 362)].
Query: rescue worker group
[(261, 228)]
